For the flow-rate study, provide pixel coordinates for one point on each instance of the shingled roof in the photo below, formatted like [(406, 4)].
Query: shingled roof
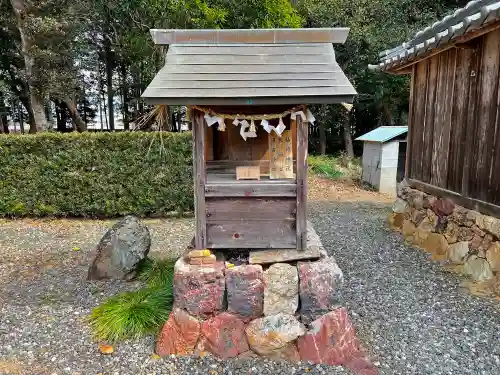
[(250, 67), (451, 29)]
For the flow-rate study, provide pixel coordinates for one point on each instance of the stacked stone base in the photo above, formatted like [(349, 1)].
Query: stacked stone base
[(282, 311), (453, 234)]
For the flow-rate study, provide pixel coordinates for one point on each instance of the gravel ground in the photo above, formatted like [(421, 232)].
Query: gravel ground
[(411, 315), (44, 301)]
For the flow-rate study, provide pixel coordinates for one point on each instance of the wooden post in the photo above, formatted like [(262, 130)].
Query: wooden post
[(199, 175), (302, 145)]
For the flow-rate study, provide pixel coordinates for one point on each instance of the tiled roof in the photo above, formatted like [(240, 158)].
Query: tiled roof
[(476, 14)]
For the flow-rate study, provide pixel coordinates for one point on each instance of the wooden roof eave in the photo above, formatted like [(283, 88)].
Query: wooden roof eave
[(257, 101)]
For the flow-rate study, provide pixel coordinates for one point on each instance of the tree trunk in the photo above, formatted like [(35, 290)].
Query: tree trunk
[(21, 117), (109, 81), (84, 108), (348, 137), (388, 114), (322, 138), (100, 114), (101, 94), (138, 87), (78, 122), (126, 118), (61, 117), (175, 122), (39, 119), (48, 114), (167, 121), (136, 91), (104, 106), (3, 124), (27, 104)]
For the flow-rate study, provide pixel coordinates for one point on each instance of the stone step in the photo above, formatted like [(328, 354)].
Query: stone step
[(315, 250)]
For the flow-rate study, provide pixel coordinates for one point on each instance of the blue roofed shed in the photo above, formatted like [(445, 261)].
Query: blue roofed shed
[(384, 134), (384, 156)]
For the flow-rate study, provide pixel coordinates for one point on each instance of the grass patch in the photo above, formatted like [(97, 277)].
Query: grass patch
[(135, 314), (157, 273), (325, 166), (338, 167)]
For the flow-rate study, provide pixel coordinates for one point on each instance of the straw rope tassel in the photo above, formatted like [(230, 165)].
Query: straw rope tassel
[(252, 126)]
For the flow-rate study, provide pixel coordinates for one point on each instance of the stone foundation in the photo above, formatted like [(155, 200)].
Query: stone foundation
[(451, 233), (283, 311)]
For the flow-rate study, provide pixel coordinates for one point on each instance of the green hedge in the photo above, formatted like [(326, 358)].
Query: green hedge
[(95, 175)]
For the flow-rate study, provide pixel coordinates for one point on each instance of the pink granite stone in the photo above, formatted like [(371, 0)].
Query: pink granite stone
[(179, 334), (199, 289), (332, 341), (245, 291), (319, 288), (224, 336)]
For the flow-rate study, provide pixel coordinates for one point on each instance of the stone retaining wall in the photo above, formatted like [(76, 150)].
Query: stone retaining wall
[(283, 311), (453, 234)]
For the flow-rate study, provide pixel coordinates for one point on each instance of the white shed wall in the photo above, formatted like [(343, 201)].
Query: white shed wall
[(380, 165), (371, 163), (389, 170)]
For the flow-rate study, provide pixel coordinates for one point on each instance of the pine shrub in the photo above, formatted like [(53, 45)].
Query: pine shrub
[(135, 314)]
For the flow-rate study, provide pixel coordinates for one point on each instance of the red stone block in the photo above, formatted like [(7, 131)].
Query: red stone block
[(443, 207), (224, 336), (199, 289), (179, 334), (245, 291), (332, 341), (319, 288)]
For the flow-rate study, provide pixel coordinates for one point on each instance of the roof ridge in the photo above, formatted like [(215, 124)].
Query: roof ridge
[(249, 36)]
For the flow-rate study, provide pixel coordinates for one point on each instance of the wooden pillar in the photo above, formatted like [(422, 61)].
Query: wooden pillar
[(199, 175), (302, 144)]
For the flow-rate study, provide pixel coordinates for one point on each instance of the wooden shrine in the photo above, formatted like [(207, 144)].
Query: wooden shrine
[(248, 91)]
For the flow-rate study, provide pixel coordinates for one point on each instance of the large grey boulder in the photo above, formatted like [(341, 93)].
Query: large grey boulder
[(120, 250)]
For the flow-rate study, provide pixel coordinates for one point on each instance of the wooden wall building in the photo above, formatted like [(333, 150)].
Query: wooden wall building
[(454, 115)]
